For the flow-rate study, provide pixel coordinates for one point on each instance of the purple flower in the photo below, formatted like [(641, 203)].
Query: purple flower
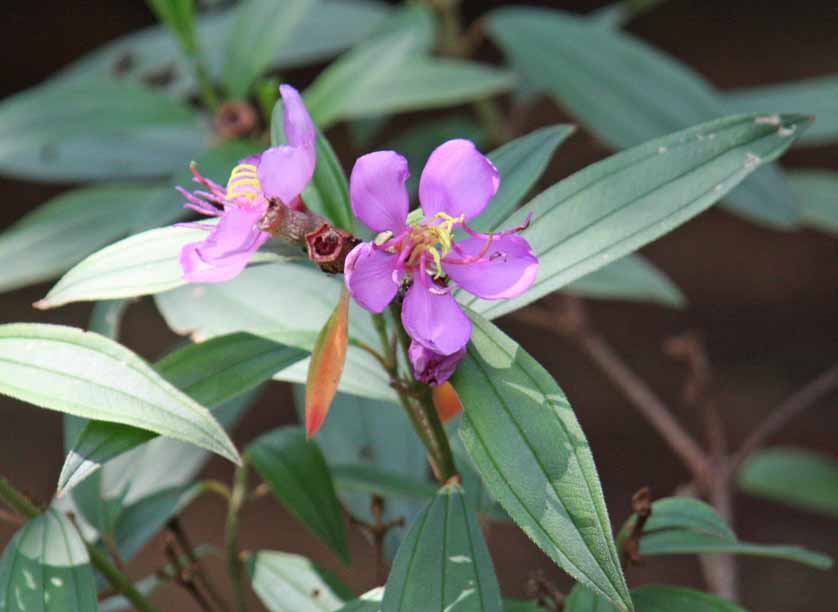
[(276, 176), (456, 185)]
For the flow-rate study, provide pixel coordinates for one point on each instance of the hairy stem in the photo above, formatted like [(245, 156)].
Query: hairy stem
[(119, 581), (234, 563)]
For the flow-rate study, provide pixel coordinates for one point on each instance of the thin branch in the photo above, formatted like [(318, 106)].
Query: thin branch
[(796, 404), (183, 574), (572, 322), (234, 562), (197, 567)]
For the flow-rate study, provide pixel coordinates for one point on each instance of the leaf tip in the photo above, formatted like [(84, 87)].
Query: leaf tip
[(42, 304)]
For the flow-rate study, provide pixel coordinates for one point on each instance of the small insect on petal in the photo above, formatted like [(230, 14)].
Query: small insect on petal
[(326, 365), (446, 401)]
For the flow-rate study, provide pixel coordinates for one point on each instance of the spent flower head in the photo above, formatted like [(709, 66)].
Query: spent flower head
[(276, 176), (425, 256)]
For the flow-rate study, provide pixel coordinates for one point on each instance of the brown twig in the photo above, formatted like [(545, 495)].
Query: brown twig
[(546, 594), (196, 567), (641, 505), (785, 412), (375, 533), (183, 574), (572, 322)]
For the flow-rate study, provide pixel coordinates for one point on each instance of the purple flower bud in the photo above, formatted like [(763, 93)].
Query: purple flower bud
[(433, 368)]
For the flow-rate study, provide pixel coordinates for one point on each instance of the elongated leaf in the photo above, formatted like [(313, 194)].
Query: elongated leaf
[(691, 543), (95, 130), (81, 373), (615, 206), (66, 229), (211, 373), (261, 30), (520, 163), (817, 197), (368, 602), (138, 522), (326, 366), (655, 93), (813, 96), (45, 567), (367, 434), (619, 13), (581, 599), (298, 476), (523, 437), (290, 583), (632, 278), (659, 598), (328, 192), (380, 482), (795, 477), (285, 303), (687, 526), (179, 16), (443, 563)]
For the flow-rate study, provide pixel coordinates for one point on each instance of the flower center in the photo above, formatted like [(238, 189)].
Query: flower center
[(244, 183), (433, 237)]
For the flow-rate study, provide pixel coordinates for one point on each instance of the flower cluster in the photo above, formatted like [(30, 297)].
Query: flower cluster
[(423, 260)]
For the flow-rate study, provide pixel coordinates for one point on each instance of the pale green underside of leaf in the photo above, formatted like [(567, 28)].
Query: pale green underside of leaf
[(286, 303), (617, 205), (655, 94), (87, 375), (523, 437), (95, 130), (290, 583), (817, 197), (443, 562), (811, 96), (795, 477), (652, 598)]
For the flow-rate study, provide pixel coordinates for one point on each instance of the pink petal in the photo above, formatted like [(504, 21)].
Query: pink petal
[(435, 321), (376, 188), (457, 180), (507, 268), (299, 128), (284, 172), (369, 276), (431, 367), (227, 249)]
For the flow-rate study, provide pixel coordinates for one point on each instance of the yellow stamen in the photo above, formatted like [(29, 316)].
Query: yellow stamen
[(428, 235), (244, 182)]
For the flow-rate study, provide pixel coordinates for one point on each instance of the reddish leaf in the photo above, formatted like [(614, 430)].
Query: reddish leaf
[(446, 401), (326, 365)]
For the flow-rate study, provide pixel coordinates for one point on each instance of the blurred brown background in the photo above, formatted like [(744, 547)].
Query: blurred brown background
[(765, 302)]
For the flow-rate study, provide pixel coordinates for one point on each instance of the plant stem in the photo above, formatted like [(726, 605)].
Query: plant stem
[(416, 399), (186, 545), (119, 581), (234, 562)]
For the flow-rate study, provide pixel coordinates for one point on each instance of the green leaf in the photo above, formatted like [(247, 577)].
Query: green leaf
[(617, 205), (88, 375), (45, 567), (211, 373), (688, 526), (68, 228), (581, 599), (298, 476), (179, 16), (520, 163), (261, 30), (523, 437), (368, 602), (384, 483), (812, 96), (443, 562), (94, 130), (794, 477), (290, 583), (817, 197), (151, 55), (138, 522), (515, 605), (632, 278), (658, 598), (328, 191), (287, 304), (619, 13), (655, 94), (375, 435)]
